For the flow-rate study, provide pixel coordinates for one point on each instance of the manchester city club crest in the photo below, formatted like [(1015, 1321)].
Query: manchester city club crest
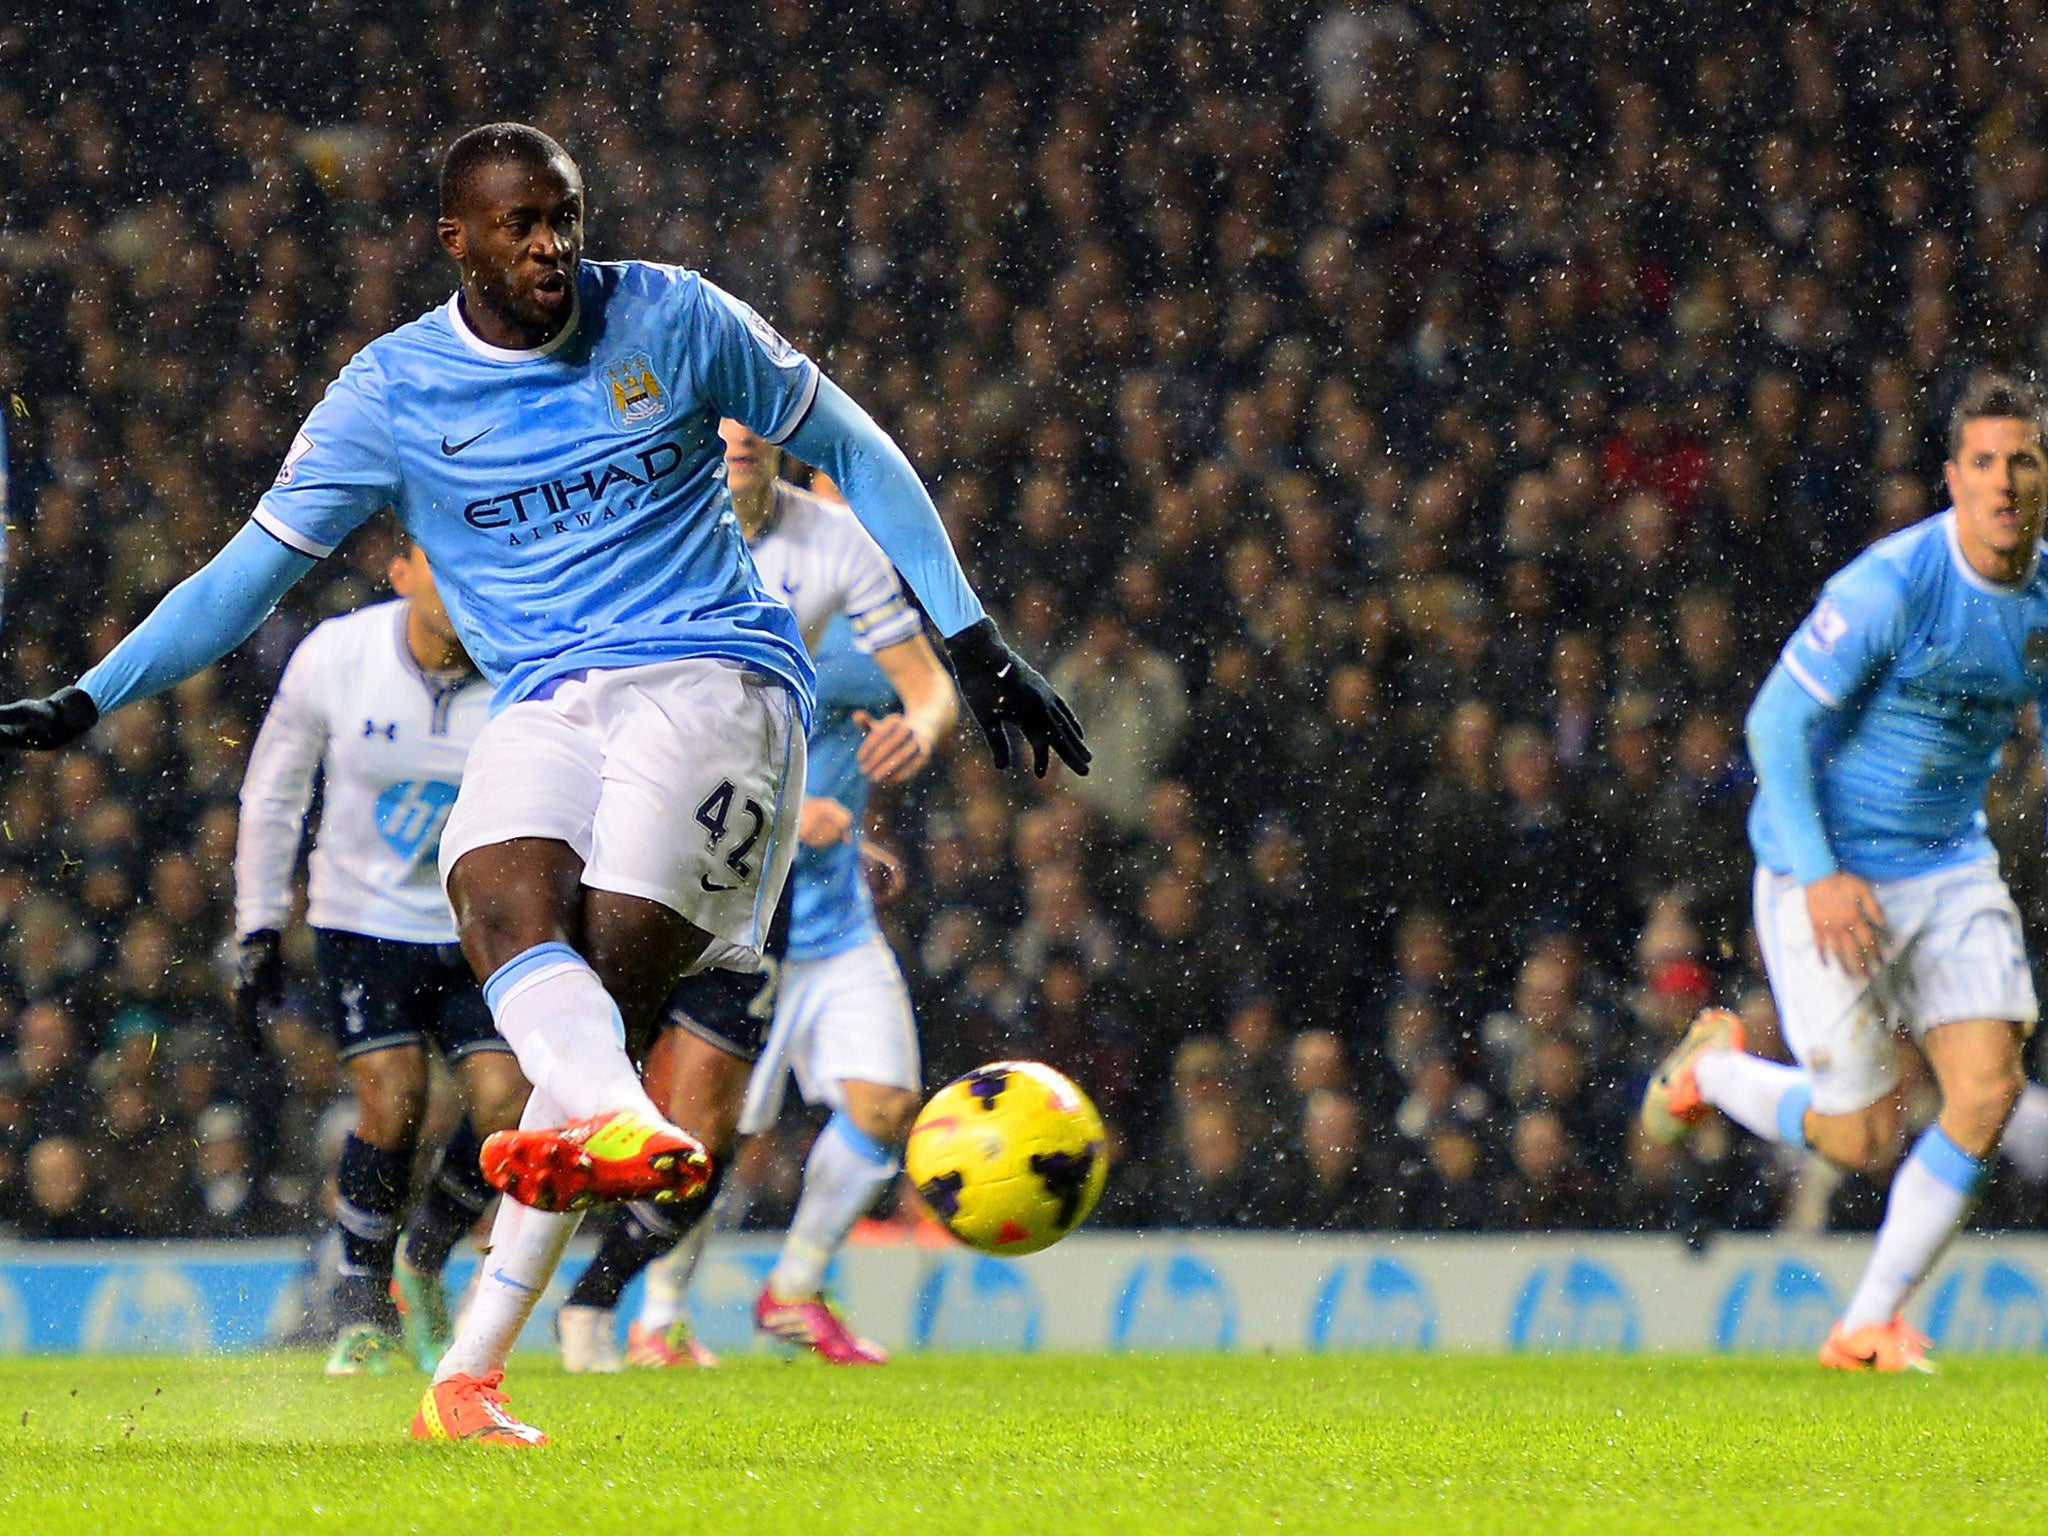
[(632, 393)]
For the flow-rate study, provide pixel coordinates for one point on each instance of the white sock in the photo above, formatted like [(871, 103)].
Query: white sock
[(526, 1246), (1766, 1097), (1931, 1194), (845, 1171), (566, 1031), (666, 1295), (2025, 1140)]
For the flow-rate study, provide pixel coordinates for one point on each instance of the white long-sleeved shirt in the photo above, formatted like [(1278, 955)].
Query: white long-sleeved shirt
[(391, 739), (815, 556)]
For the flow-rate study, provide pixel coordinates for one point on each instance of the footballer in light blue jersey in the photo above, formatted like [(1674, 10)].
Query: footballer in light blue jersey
[(1880, 911), (549, 438), (569, 497), (831, 909), (1920, 664)]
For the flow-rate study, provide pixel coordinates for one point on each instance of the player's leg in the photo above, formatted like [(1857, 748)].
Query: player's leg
[(851, 1161), (370, 1191), (1977, 1064), (856, 1051), (643, 743), (702, 1071), (525, 1247), (365, 995), (690, 839), (494, 1093), (514, 855), (2025, 1142), (520, 905), (1826, 1016), (1974, 1004)]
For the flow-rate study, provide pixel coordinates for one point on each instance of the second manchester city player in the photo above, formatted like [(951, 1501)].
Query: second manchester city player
[(1879, 905)]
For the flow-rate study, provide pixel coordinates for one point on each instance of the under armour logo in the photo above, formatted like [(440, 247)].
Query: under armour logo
[(388, 732)]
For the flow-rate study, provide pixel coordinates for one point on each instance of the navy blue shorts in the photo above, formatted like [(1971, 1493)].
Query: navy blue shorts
[(734, 1010), (382, 993)]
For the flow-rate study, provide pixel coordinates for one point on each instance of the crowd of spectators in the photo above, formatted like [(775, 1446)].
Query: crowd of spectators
[(1406, 430)]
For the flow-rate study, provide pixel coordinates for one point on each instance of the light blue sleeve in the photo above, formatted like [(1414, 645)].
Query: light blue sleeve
[(750, 372), (864, 461), (1853, 632), (200, 620), (342, 467), (1781, 728)]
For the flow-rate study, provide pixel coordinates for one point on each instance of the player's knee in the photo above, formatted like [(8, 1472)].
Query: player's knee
[(885, 1115), (707, 1086), (492, 933), (1870, 1141), (496, 1091), (390, 1110), (1984, 1101)]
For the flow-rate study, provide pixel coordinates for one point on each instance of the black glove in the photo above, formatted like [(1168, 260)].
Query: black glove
[(259, 979), (1003, 689), (42, 724)]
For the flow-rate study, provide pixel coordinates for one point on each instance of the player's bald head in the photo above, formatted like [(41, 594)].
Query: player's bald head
[(495, 144)]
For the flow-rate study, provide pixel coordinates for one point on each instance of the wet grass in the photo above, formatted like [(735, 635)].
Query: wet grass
[(1117, 1445)]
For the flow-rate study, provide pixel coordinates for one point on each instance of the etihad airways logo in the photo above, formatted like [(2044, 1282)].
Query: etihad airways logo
[(534, 512)]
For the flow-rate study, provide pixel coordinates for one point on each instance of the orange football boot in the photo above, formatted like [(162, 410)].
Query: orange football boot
[(471, 1408), (608, 1158), (1672, 1104), (1892, 1346)]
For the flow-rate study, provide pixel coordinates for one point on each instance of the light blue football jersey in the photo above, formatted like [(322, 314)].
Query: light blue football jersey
[(830, 908), (569, 498), (1922, 664)]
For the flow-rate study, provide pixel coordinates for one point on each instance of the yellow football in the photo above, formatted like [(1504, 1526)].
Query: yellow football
[(1010, 1157)]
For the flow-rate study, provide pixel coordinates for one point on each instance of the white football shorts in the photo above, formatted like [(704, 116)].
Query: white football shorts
[(679, 781), (845, 1016), (1954, 952)]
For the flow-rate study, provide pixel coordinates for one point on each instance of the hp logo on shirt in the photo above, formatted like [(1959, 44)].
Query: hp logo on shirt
[(410, 816)]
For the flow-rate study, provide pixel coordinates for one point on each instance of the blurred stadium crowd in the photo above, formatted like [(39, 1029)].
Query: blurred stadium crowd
[(1406, 431)]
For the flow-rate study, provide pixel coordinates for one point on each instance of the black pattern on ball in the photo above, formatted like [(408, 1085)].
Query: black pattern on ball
[(1065, 1176), (942, 1194), (987, 1085)]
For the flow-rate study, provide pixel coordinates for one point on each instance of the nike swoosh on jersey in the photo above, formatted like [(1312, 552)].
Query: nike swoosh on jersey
[(451, 449), (705, 881)]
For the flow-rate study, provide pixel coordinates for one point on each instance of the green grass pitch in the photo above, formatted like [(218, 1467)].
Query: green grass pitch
[(1059, 1445)]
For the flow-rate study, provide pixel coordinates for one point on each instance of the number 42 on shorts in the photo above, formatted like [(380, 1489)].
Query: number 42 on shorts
[(714, 815)]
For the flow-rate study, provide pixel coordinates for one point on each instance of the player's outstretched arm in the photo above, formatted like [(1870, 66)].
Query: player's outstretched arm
[(1000, 687), (199, 621)]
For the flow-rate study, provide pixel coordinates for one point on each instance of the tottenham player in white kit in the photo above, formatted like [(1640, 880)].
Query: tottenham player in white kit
[(841, 1017), (380, 705), (549, 436), (1879, 906)]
